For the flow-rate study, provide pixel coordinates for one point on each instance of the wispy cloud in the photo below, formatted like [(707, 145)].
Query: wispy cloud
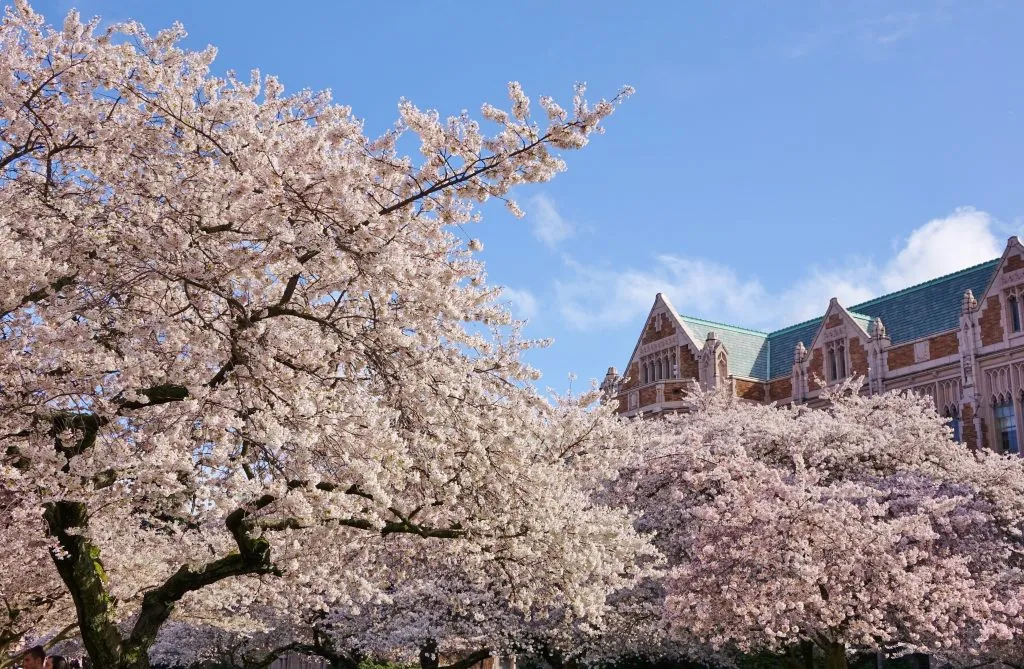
[(522, 303), (597, 297), (549, 226), (866, 33)]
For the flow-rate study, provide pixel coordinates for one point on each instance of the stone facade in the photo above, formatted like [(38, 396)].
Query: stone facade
[(958, 339)]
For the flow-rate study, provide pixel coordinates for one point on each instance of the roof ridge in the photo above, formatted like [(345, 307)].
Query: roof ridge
[(925, 284), (736, 328), (852, 310)]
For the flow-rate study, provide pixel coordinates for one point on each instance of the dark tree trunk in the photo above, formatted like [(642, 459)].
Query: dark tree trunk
[(428, 655), (83, 574), (554, 658), (835, 656), (807, 651)]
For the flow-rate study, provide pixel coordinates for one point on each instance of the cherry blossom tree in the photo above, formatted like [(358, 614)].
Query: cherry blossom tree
[(855, 527), (431, 602), (240, 338), (34, 605)]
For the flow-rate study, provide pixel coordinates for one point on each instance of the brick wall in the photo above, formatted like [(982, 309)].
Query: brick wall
[(780, 390), (676, 390), (668, 329), (901, 356), (834, 321), (858, 358), (632, 377), (632, 381), (688, 368), (970, 437), (944, 344), (751, 390), (991, 328), (1012, 263), (816, 368)]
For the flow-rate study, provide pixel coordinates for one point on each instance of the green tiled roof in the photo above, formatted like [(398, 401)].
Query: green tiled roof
[(783, 342), (748, 355), (929, 307), (862, 320), (911, 313)]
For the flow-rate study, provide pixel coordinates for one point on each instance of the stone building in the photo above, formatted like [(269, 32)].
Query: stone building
[(957, 338)]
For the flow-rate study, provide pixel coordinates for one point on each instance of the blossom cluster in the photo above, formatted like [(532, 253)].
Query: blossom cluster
[(251, 367), (860, 526)]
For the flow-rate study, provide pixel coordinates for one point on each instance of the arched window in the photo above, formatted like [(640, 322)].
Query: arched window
[(832, 371), (646, 375), (953, 422), (1006, 423), (657, 370), (1014, 309), (841, 360), (723, 367)]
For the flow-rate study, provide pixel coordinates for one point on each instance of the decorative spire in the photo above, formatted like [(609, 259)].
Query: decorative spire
[(969, 303), (800, 352), (878, 329), (611, 380), (712, 336)]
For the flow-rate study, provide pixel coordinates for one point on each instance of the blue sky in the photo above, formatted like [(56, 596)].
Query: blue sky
[(774, 155)]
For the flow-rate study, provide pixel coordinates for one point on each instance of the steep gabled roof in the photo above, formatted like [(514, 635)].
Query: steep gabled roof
[(782, 344), (929, 307), (911, 313), (748, 354)]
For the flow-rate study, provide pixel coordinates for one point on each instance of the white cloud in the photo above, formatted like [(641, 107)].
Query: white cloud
[(596, 297), (522, 303), (548, 225), (943, 245), (868, 34)]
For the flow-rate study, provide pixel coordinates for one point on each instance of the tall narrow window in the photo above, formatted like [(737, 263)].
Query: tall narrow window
[(953, 422), (1014, 313), (645, 375), (657, 370), (841, 360), (832, 371), (1006, 426)]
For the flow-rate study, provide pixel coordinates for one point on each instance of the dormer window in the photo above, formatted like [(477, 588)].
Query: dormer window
[(835, 361), (952, 416), (659, 366), (1006, 423)]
